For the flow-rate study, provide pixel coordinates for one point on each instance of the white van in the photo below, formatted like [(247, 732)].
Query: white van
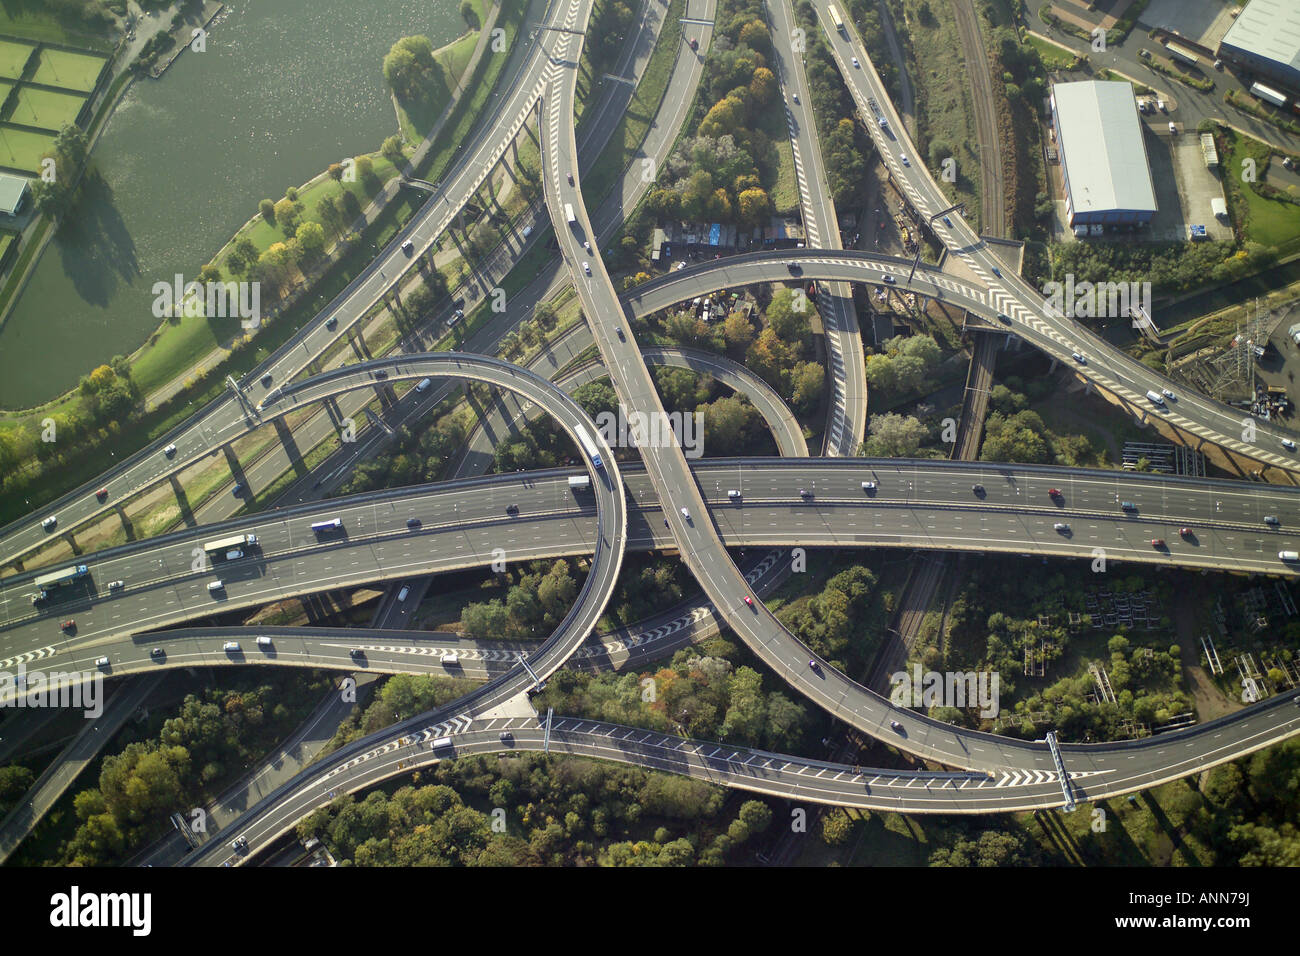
[(401, 595), (1288, 555), (1155, 398), (424, 385), (49, 522), (263, 641), (450, 657), (230, 646), (215, 585)]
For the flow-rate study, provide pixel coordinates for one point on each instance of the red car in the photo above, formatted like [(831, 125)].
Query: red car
[(695, 44), (749, 600), (68, 625), (1185, 532), (101, 494), (1054, 492), (1157, 542)]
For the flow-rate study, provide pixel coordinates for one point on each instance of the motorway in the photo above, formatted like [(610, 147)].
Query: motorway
[(847, 408), (1126, 768)]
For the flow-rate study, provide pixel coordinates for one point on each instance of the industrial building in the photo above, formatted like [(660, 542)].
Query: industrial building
[(1266, 41), (1103, 155)]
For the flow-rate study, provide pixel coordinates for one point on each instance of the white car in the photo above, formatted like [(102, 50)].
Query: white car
[(1288, 444), (903, 158), (686, 514), (795, 97), (733, 494), (586, 268), (855, 62), (1169, 395), (116, 585), (1079, 358)]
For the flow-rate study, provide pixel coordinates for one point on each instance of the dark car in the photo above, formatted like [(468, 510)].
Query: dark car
[(238, 489), (512, 509), (266, 380), (695, 44), (814, 665), (978, 490), (331, 322), (896, 726), (805, 493), (413, 522), (794, 267)]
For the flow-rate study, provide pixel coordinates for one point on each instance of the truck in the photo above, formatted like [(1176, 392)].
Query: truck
[(579, 482), (56, 579), (589, 446), (232, 547), (1182, 53), (835, 19), (1268, 94), (568, 213)]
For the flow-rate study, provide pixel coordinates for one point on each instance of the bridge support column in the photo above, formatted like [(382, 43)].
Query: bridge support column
[(1060, 769)]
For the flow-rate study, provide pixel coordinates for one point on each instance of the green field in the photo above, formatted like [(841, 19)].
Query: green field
[(23, 150), (73, 71), (46, 109), (13, 57), (32, 20)]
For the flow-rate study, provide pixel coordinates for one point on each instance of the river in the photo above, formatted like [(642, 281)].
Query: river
[(284, 88)]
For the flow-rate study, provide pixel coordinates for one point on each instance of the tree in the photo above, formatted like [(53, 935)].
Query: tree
[(727, 423), (469, 15), (392, 150), (242, 256), (411, 70), (336, 172), (807, 382), (311, 236), (753, 207), (837, 826), (267, 208), (894, 436), (286, 215), (738, 333)]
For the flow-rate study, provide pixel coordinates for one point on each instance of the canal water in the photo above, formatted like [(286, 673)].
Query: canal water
[(284, 88)]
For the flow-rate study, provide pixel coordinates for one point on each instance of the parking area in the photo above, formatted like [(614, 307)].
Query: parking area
[(1205, 21), (1184, 185)]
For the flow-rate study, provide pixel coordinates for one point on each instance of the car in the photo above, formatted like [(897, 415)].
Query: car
[(795, 97), (686, 514), (1128, 506), (977, 489), (1162, 106), (868, 486), (1288, 444), (1173, 128), (1157, 543), (49, 523), (895, 726), (586, 268), (239, 843), (381, 374), (506, 736), (805, 493), (1003, 317), (947, 222), (1271, 519), (1145, 54), (733, 494), (1288, 162), (528, 231), (512, 509), (115, 585), (101, 662), (813, 665), (1169, 395), (749, 600), (408, 247), (621, 336), (570, 177), (101, 494), (449, 657), (231, 647), (695, 44), (996, 271), (157, 652), (794, 266), (413, 522), (888, 279), (456, 317), (586, 244), (1185, 532), (355, 652), (332, 322), (1062, 527), (169, 451), (884, 123), (266, 380), (1054, 492), (216, 585), (904, 160), (68, 626), (238, 489), (1078, 357), (856, 65)]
